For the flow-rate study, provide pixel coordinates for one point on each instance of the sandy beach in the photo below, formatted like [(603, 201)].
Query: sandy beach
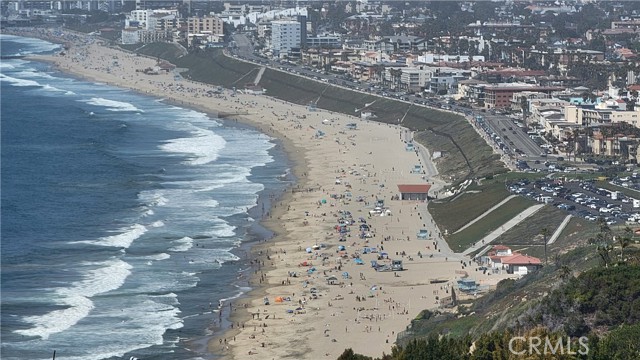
[(324, 295)]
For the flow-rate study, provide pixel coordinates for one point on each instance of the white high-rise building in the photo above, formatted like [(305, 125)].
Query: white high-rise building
[(285, 35)]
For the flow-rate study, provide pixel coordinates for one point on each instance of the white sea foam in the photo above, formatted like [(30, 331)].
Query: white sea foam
[(157, 224), (29, 45), (136, 324), (158, 257), (182, 244), (52, 88), (109, 275), (209, 188), (18, 82), (237, 295), (124, 239), (204, 146), (202, 185), (153, 198), (112, 105), (31, 73), (195, 116), (26, 82), (224, 230)]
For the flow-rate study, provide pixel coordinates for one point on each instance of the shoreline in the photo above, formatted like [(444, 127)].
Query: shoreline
[(351, 169), (293, 157)]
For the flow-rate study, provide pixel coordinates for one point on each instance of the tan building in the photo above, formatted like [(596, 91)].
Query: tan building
[(590, 116), (623, 146), (208, 29)]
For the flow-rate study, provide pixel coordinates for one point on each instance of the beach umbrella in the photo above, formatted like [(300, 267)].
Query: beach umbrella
[(309, 250)]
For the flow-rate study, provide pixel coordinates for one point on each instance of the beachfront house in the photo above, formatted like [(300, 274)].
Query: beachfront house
[(500, 257), (414, 191), (520, 264), (493, 259)]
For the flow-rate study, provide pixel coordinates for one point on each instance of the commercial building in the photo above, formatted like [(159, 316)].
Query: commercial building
[(497, 96), (324, 42)]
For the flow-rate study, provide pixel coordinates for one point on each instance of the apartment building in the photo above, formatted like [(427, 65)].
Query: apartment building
[(207, 29), (444, 80), (624, 146), (285, 37), (589, 115)]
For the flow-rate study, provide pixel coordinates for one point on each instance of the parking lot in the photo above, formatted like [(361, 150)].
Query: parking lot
[(582, 199)]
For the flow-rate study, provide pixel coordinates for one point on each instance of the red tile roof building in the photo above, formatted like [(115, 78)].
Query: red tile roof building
[(414, 191)]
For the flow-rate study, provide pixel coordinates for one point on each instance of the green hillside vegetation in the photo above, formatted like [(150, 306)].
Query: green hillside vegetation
[(602, 304), (461, 241), (628, 192), (453, 213), (526, 237), (166, 51), (590, 289), (465, 153), (620, 344)]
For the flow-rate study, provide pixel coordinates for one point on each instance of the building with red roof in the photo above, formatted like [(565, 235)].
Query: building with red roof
[(414, 191), (521, 264), (501, 257)]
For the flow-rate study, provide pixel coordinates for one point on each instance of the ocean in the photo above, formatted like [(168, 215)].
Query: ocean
[(125, 220)]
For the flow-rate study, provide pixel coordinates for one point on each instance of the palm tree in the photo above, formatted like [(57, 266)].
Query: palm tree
[(603, 251), (524, 105), (605, 230), (396, 77), (565, 273), (571, 146), (624, 241), (545, 232), (576, 135), (378, 69)]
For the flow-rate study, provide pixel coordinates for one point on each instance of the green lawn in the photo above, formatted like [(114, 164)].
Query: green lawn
[(453, 213), (462, 240), (514, 175), (629, 192), (215, 68), (526, 236), (168, 51)]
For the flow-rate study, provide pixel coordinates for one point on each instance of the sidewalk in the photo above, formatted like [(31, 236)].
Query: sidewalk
[(486, 213), (556, 234), (502, 229)]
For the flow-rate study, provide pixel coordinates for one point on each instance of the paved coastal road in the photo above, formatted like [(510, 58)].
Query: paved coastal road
[(513, 134)]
